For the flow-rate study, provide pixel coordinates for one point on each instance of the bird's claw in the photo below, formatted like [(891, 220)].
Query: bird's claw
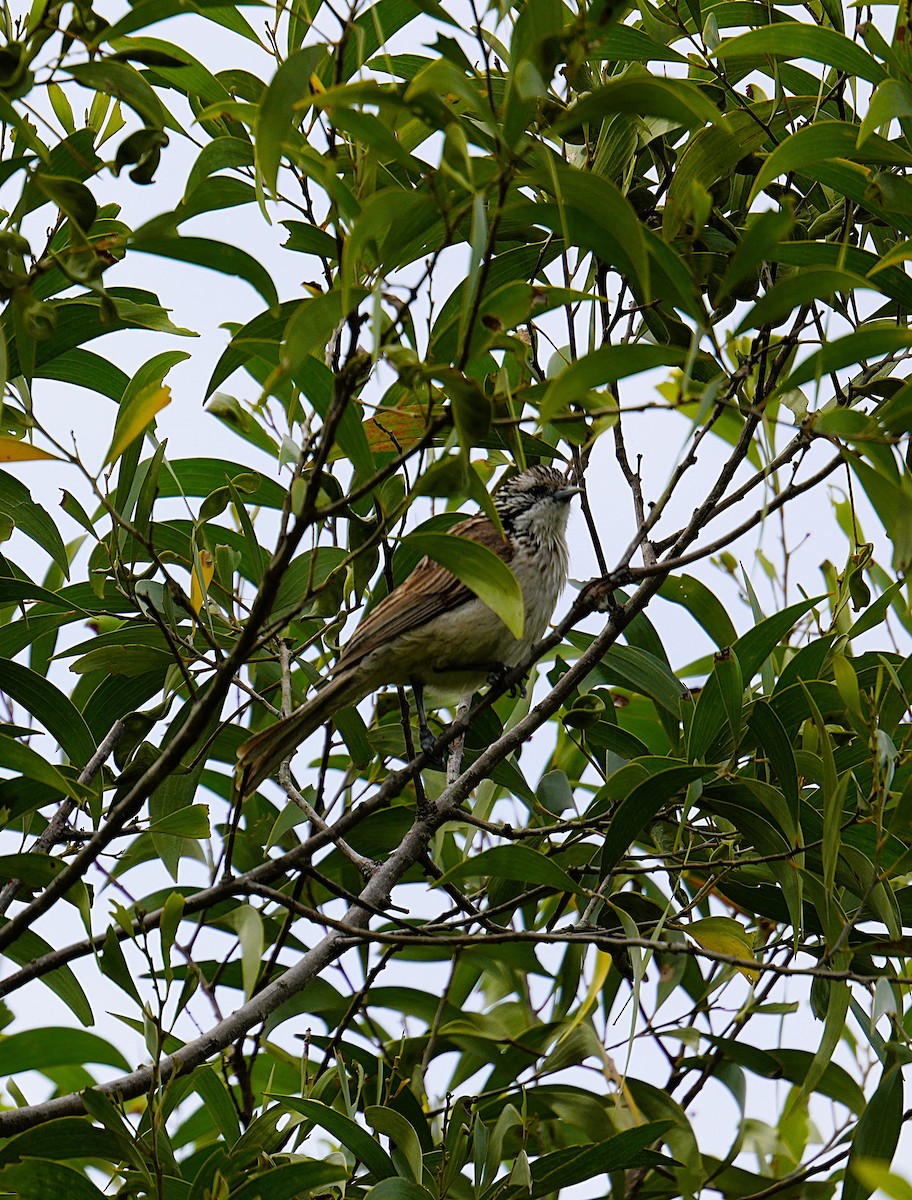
[(427, 742), (496, 676)]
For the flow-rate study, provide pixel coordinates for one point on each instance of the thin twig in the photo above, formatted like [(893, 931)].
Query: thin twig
[(54, 830), (454, 760)]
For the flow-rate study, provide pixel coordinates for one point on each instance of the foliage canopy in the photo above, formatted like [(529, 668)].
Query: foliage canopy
[(540, 232)]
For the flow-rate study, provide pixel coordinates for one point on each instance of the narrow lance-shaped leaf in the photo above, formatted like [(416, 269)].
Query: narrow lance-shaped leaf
[(277, 116), (815, 284), (796, 40), (870, 341), (818, 142), (206, 252), (135, 417), (27, 515), (512, 862), (605, 365), (481, 570), (16, 450)]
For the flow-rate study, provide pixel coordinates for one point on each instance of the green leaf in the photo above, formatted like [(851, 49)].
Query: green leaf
[(312, 325), (755, 646), (205, 252), (80, 320), (25, 761), (37, 1179), (774, 741), (310, 239), (765, 231), (877, 1132), (591, 212), (639, 807), (291, 1181), (126, 84), (480, 569), (398, 1189), (718, 705), (520, 863), (73, 198), (41, 1049), (625, 44), (36, 870), (870, 341), (276, 115), (785, 1063), (894, 282), (623, 1151), (189, 822), (892, 99), (795, 40), (874, 614), (88, 370), (54, 710), (17, 504), (633, 668), (180, 788), (148, 12), (821, 141), (248, 924), (644, 95), (201, 476), (344, 1129), (783, 298), (124, 659), (212, 1090), (28, 947), (874, 1174), (605, 365), (69, 1137), (891, 503), (113, 965), (724, 935), (217, 155), (711, 155), (372, 28), (705, 608), (400, 1132)]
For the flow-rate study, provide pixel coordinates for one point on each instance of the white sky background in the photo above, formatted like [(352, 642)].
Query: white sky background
[(202, 301)]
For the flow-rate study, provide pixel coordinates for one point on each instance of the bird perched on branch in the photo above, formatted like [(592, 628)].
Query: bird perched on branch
[(433, 632)]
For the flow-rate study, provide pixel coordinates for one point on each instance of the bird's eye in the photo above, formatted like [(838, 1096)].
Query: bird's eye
[(538, 492)]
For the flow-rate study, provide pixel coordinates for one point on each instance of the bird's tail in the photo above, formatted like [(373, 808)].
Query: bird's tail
[(260, 755)]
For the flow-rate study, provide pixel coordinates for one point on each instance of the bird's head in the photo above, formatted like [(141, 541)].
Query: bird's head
[(536, 502)]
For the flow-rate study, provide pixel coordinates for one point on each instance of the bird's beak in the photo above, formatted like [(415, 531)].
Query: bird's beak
[(567, 493)]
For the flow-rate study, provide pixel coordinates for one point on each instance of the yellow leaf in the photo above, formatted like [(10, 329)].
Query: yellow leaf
[(724, 935), (12, 450), (133, 419), (203, 571)]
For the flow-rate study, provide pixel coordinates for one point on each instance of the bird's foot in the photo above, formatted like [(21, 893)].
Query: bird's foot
[(427, 741), (496, 676)]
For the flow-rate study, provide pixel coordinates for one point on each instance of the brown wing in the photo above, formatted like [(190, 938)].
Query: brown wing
[(429, 591)]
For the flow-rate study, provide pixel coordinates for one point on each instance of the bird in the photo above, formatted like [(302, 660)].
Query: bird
[(432, 632)]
